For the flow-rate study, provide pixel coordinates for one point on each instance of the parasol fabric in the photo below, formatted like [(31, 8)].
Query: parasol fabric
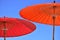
[(42, 13), (15, 27)]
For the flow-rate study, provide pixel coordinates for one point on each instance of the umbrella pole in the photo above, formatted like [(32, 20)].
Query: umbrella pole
[(4, 29), (54, 16), (4, 34), (53, 28)]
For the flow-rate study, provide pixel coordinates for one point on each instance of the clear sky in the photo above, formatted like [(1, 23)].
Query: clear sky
[(11, 8)]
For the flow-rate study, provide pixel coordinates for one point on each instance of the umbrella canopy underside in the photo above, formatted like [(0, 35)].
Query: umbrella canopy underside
[(42, 13), (15, 27)]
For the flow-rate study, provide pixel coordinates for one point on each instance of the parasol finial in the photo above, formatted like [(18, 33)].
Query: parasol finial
[(54, 1)]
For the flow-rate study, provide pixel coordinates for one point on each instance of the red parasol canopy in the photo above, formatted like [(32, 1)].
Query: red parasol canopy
[(12, 27)]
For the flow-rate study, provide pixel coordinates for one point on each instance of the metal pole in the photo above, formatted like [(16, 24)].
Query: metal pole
[(4, 29), (54, 16), (4, 34), (53, 28)]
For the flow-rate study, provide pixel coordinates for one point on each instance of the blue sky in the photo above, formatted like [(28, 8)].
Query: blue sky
[(11, 8)]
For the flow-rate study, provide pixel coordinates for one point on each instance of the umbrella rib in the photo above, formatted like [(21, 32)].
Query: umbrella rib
[(43, 18), (58, 20), (26, 25), (40, 17), (46, 11), (35, 18), (31, 16), (47, 19)]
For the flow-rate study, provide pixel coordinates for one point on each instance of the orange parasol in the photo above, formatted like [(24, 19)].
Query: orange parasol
[(13, 27), (43, 13)]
